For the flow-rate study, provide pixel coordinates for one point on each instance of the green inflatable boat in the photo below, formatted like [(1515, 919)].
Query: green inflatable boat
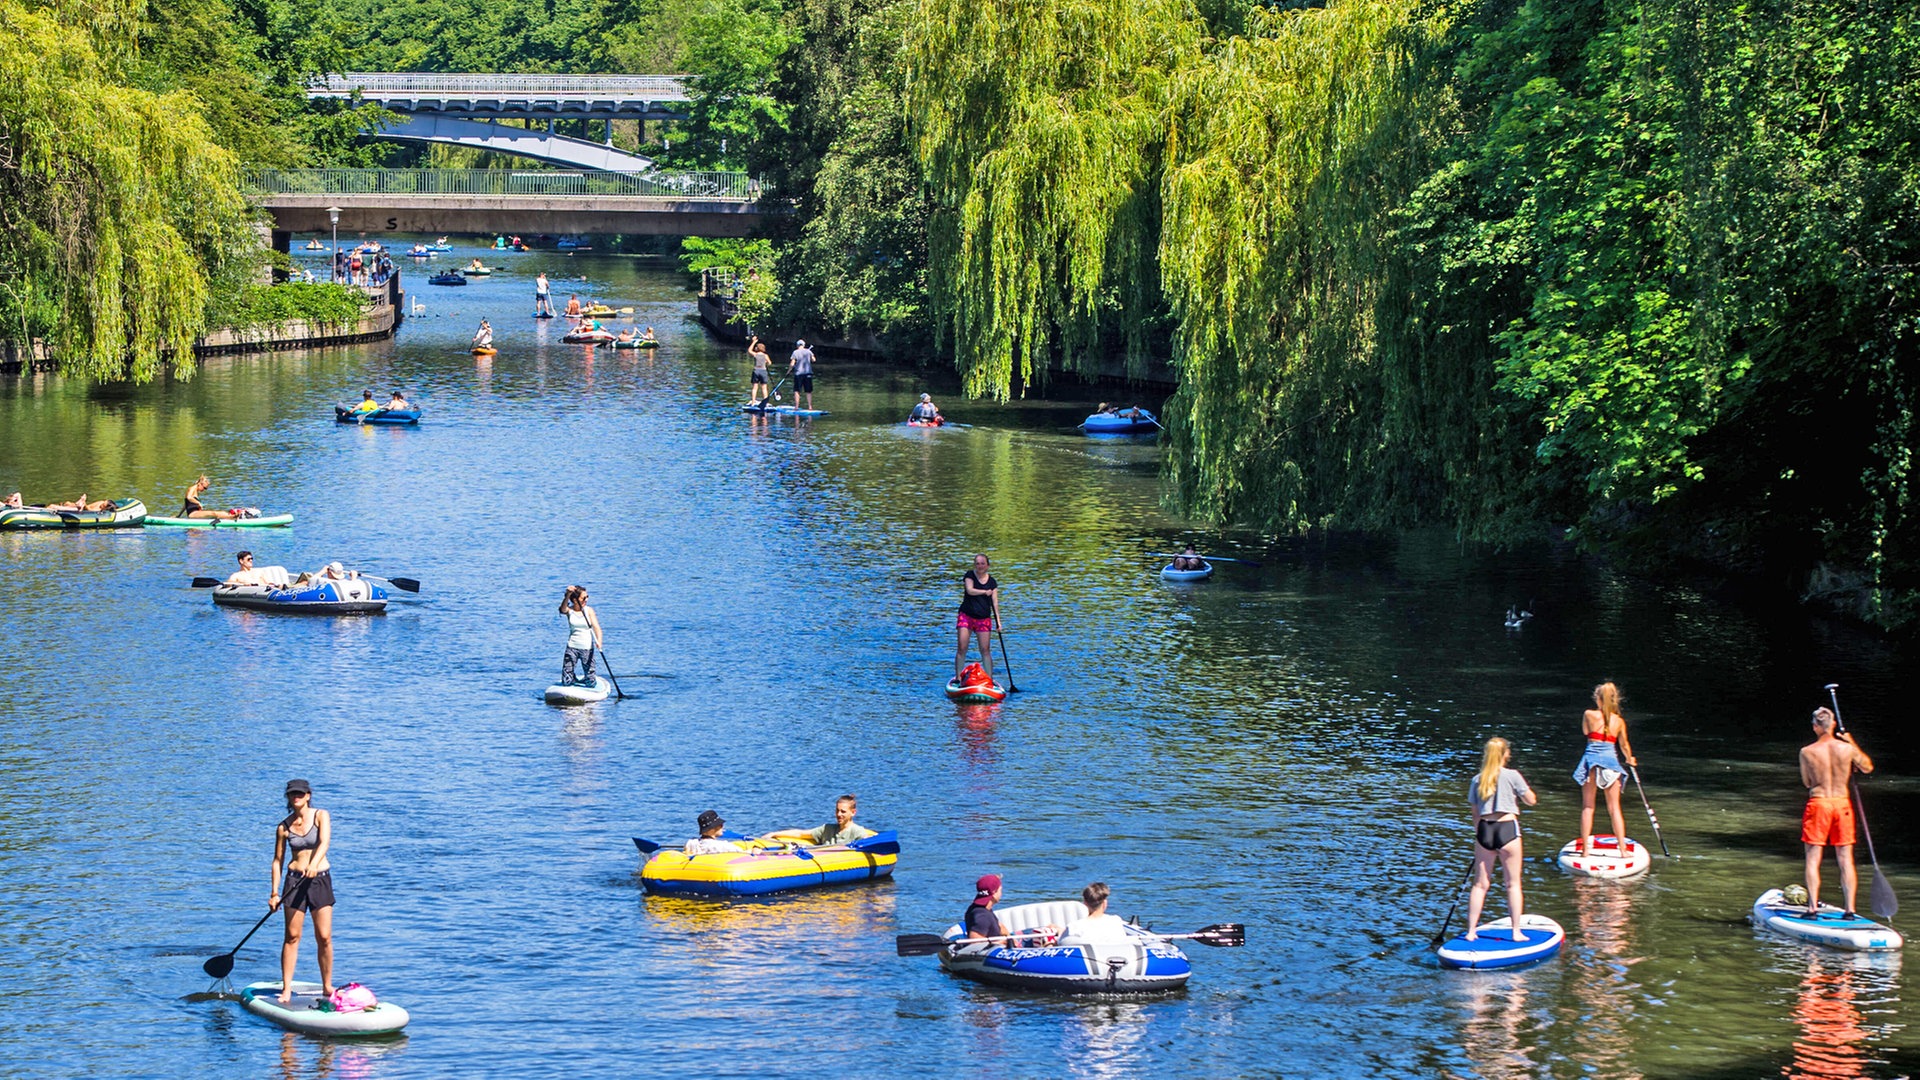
[(125, 514), (267, 521)]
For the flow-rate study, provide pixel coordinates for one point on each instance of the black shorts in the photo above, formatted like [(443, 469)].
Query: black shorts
[(315, 895), (803, 384), (760, 378), (1494, 835)]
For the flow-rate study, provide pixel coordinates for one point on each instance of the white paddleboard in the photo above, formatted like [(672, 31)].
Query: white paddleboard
[(1832, 927), (1608, 860), (579, 693), (303, 1014), (1494, 946)]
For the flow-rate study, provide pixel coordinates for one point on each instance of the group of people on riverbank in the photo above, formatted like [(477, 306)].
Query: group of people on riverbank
[(1498, 791)]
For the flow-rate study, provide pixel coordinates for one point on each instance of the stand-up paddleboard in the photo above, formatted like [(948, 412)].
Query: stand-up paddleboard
[(1833, 927), (303, 1013), (1495, 947), (795, 410), (1607, 859), (579, 693), (985, 693)]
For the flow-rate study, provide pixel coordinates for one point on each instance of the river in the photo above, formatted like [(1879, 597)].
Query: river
[(1284, 747)]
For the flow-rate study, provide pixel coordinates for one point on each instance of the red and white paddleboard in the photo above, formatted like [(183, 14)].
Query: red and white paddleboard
[(1611, 857)]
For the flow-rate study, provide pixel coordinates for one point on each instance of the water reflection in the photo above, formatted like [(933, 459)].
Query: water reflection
[(1606, 927), (975, 724), (1496, 1033), (729, 941), (305, 1058), (1832, 1044)]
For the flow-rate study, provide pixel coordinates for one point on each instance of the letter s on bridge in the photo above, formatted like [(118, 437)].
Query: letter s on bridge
[(393, 223)]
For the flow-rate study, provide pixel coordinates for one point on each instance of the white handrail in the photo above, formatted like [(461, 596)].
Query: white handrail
[(383, 84)]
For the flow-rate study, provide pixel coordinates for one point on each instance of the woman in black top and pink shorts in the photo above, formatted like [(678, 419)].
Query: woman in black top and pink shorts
[(979, 607)]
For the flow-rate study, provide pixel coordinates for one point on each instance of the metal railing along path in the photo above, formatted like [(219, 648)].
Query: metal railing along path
[(379, 85), (653, 183)]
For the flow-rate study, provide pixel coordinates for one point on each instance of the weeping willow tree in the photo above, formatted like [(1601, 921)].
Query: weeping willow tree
[(1288, 147), (1040, 125), (118, 212)]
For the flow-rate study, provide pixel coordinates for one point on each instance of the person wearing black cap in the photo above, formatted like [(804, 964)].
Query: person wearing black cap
[(980, 921), (709, 842), (302, 838)]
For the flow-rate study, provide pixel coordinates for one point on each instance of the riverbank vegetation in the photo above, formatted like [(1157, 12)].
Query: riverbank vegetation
[(1646, 270)]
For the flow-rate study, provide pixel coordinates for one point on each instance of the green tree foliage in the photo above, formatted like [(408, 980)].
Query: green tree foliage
[(119, 213), (853, 256), (1041, 124)]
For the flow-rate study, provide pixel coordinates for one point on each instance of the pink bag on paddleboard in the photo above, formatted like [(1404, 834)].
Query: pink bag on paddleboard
[(352, 998)]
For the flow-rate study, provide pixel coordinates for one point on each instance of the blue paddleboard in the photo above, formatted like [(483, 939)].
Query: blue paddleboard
[(1831, 927), (1494, 947)]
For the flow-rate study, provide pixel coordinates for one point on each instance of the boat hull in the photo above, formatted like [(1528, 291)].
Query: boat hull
[(126, 514)]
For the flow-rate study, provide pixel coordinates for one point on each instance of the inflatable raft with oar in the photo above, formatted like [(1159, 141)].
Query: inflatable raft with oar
[(124, 514), (1144, 963), (766, 867)]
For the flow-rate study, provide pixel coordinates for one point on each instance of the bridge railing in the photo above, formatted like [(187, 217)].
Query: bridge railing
[(404, 84), (654, 183)]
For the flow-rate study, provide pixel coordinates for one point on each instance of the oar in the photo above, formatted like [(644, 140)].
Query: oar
[(1448, 921), (1885, 903), (1654, 821), (1005, 660), (1202, 558), (617, 692), (882, 843), (405, 584), (1219, 935), (219, 967)]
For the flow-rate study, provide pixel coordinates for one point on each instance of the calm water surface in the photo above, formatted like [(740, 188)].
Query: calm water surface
[(1284, 747)]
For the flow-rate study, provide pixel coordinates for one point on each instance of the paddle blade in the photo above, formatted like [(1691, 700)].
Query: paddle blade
[(1885, 903), (205, 582), (1222, 935), (918, 944), (406, 584), (218, 967), (647, 847)]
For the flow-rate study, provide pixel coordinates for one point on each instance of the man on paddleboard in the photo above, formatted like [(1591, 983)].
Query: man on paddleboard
[(800, 366), (1826, 767)]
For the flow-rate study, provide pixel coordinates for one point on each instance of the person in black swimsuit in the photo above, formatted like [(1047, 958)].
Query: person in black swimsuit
[(303, 838), (979, 611), (1496, 793)]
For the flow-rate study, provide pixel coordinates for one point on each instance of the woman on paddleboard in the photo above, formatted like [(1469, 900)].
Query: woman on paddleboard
[(1496, 795), (583, 636), (302, 838), (979, 607), (1599, 769)]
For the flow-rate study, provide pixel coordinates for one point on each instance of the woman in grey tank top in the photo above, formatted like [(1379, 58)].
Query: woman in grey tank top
[(1496, 794), (302, 839)]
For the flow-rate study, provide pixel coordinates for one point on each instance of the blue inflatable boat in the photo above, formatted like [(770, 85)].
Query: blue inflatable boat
[(344, 415), (1127, 422), (315, 596), (1143, 964)]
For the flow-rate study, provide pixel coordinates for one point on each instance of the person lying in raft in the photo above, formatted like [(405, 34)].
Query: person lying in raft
[(13, 503), (1098, 927), (81, 504), (396, 403), (247, 575), (367, 404), (1189, 559), (980, 921), (477, 265), (648, 336), (709, 842), (841, 830), (626, 335)]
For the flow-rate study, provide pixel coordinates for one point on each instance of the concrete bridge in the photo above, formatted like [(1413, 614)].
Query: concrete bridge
[(462, 110), (505, 201)]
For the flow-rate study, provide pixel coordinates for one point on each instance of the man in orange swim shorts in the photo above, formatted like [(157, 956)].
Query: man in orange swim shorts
[(1826, 767)]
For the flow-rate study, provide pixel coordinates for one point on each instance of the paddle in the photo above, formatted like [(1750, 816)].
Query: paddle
[(219, 967), (1203, 558), (1654, 821), (405, 584), (1005, 660), (1448, 921), (1219, 935), (617, 692), (1885, 903)]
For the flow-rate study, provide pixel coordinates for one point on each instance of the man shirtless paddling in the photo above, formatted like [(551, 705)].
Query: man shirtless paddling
[(1826, 767)]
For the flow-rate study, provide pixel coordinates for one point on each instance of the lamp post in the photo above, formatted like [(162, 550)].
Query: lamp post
[(333, 215)]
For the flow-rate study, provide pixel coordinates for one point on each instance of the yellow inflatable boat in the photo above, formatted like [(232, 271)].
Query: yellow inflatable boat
[(766, 867)]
